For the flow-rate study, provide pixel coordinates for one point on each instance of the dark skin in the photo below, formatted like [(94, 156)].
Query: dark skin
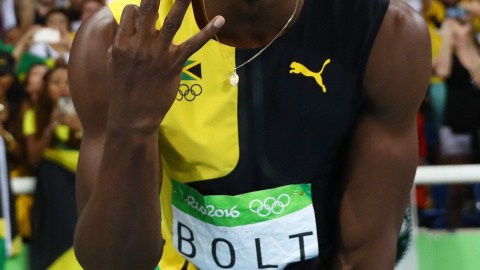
[(113, 68)]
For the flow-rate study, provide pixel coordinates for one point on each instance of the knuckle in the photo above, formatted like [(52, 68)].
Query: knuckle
[(128, 12), (130, 8), (148, 7), (123, 50), (170, 26)]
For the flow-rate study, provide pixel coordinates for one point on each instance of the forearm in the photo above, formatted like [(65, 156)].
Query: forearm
[(27, 15), (19, 50), (380, 177), (119, 227), (378, 254), (442, 65)]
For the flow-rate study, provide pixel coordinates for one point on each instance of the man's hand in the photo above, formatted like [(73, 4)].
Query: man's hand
[(123, 80), (145, 66)]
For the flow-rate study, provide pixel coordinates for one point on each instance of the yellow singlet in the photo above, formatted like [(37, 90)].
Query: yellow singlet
[(201, 124)]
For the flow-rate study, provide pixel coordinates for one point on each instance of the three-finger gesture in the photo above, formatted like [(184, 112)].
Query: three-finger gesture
[(145, 65)]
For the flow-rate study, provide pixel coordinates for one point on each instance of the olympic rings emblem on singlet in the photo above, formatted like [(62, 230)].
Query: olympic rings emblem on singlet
[(189, 93), (270, 205)]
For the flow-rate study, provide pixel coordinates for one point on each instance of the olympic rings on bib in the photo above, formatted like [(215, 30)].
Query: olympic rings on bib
[(189, 93), (270, 205)]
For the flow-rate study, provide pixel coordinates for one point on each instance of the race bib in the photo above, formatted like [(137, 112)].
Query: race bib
[(266, 229)]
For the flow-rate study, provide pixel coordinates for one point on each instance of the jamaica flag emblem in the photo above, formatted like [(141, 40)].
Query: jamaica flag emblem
[(190, 88), (192, 71)]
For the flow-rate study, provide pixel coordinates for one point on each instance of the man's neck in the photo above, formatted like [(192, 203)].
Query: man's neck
[(248, 23)]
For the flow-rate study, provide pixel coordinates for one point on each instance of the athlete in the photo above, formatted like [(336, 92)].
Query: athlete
[(278, 134)]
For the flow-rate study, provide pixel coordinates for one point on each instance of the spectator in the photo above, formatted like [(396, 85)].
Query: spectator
[(60, 51), (441, 60), (75, 9), (7, 137), (462, 116), (459, 135), (89, 7), (53, 139), (34, 12), (47, 128), (472, 7), (24, 59), (12, 36), (9, 239), (8, 18), (34, 81), (12, 92)]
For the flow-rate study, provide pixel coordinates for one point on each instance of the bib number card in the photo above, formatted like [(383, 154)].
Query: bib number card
[(266, 229)]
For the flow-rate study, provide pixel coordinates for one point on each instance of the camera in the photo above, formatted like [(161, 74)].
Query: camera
[(65, 105), (47, 35)]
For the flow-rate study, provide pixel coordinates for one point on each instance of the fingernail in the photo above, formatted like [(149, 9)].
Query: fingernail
[(219, 21)]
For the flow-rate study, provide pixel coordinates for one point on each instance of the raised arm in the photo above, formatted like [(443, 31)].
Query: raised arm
[(384, 150), (123, 81), (442, 64)]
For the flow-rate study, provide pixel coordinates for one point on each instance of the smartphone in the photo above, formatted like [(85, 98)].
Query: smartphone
[(65, 105), (47, 35), (455, 12)]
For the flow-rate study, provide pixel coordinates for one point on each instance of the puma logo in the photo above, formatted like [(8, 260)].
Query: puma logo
[(298, 68)]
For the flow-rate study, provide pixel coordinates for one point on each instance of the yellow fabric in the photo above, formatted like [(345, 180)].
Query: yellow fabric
[(194, 135), (24, 204), (476, 23), (2, 228), (436, 41), (65, 157), (66, 261), (437, 11), (17, 243), (29, 123)]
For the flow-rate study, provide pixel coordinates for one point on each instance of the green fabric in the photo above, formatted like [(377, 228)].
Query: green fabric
[(2, 254), (449, 250), (28, 60), (19, 262)]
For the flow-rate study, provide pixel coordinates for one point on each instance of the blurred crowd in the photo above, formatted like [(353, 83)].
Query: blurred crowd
[(41, 132), (449, 119)]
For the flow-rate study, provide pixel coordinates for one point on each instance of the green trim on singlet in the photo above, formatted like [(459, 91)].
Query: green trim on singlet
[(232, 211)]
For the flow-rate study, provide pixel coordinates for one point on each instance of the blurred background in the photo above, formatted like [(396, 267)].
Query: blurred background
[(41, 133)]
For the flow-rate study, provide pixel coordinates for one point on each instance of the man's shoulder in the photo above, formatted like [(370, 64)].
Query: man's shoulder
[(87, 68), (399, 64), (403, 22), (103, 19)]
